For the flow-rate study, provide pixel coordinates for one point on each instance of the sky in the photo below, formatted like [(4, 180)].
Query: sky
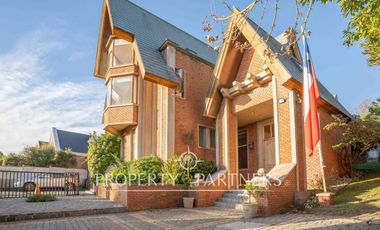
[(47, 56)]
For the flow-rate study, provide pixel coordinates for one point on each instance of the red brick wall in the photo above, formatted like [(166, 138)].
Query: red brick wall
[(142, 197), (331, 158), (277, 198), (206, 194), (188, 111), (329, 139), (102, 192)]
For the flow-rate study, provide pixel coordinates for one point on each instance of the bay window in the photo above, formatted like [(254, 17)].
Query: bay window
[(120, 53), (121, 91)]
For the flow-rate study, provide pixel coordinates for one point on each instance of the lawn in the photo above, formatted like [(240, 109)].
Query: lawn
[(362, 196)]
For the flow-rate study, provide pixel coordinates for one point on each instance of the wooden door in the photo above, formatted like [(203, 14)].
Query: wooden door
[(269, 149)]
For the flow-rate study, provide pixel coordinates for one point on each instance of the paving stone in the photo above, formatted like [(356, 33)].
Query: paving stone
[(205, 218), (18, 209)]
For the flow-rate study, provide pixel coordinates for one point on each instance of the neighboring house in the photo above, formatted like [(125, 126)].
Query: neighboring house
[(374, 154), (76, 142), (42, 143), (167, 90)]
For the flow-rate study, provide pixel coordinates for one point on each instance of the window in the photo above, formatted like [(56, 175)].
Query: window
[(120, 53), (268, 131), (206, 137), (243, 149), (120, 91), (182, 80)]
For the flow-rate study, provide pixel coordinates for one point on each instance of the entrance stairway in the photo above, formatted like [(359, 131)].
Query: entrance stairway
[(232, 199)]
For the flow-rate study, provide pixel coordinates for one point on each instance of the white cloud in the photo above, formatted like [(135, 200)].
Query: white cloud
[(78, 55), (31, 102)]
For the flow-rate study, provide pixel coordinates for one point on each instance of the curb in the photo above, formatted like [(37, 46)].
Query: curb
[(60, 214)]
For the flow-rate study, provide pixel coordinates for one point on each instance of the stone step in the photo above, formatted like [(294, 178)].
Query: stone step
[(229, 205), (239, 207), (224, 205), (240, 191), (233, 199), (233, 195)]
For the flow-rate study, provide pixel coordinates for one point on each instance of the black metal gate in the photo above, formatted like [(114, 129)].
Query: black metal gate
[(14, 184)]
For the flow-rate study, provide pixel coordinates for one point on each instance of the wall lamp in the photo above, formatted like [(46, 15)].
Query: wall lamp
[(281, 100)]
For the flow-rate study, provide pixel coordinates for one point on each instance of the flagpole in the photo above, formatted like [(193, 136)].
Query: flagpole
[(322, 164)]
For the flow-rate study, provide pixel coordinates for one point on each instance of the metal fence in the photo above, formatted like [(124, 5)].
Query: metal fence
[(15, 184)]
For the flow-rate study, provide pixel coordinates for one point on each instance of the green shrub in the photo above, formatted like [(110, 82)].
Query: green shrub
[(103, 151), (369, 167), (41, 198), (64, 159), (1, 158), (170, 171), (38, 156), (204, 167), (120, 174), (173, 172), (13, 159), (140, 170)]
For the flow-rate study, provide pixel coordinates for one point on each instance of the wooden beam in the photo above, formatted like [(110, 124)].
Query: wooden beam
[(226, 93), (156, 79), (122, 34)]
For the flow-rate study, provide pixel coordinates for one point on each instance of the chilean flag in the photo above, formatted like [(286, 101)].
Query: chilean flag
[(310, 96)]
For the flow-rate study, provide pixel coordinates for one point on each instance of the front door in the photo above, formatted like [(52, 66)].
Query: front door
[(243, 149), (269, 150)]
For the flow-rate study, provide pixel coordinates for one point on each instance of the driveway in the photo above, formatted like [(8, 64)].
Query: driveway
[(19, 209), (206, 218)]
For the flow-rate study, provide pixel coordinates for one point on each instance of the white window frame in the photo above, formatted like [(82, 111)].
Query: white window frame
[(109, 91), (208, 137), (111, 48)]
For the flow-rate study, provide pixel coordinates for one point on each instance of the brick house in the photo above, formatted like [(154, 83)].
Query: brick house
[(76, 142), (167, 90)]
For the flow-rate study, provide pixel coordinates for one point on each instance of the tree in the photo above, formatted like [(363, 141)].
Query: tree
[(363, 27), (1, 158), (374, 111), (39, 156), (359, 134), (103, 151), (13, 159), (64, 159)]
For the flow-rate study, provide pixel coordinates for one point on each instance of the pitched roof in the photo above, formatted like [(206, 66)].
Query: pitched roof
[(77, 142), (151, 32), (293, 67)]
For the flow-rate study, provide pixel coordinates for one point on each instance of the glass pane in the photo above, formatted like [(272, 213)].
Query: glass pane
[(108, 96), (121, 90), (212, 138), (243, 157), (122, 53), (242, 138), (267, 131), (202, 137)]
